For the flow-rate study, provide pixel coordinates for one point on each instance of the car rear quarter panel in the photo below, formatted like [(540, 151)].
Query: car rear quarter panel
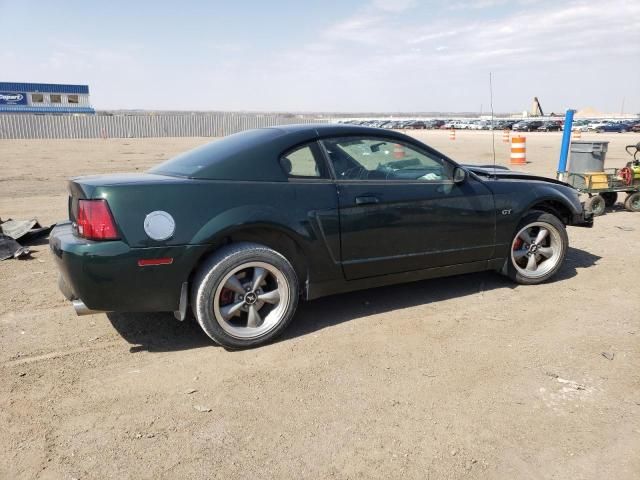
[(207, 211)]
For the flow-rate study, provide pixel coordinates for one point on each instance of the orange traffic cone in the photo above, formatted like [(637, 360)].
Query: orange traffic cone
[(398, 151), (518, 150)]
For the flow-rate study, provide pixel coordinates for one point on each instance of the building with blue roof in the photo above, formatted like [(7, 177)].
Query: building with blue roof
[(44, 98)]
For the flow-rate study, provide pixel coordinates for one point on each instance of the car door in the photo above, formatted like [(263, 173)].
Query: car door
[(400, 209)]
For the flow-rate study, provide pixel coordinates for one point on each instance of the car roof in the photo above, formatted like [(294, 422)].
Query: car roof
[(245, 155), (330, 129)]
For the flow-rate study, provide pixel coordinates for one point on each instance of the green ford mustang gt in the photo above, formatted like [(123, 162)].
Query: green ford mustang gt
[(241, 228)]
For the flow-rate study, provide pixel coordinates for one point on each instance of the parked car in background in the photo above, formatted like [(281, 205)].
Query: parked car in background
[(417, 125), (550, 126), (619, 127), (489, 125), (527, 126), (241, 229), (581, 125), (452, 124), (504, 124), (435, 123), (594, 125), (477, 125)]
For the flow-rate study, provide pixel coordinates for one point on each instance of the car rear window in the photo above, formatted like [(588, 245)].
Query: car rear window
[(190, 163)]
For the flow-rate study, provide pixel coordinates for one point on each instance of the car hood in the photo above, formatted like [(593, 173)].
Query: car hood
[(500, 172)]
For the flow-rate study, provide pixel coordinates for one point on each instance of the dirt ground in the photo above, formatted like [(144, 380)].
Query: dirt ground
[(466, 377)]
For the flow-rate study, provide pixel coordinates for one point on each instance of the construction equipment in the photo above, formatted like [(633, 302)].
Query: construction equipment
[(536, 108), (603, 187)]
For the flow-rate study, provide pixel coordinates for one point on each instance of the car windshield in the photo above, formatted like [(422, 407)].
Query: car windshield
[(188, 164)]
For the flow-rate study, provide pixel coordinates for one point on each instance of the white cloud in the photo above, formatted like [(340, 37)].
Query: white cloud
[(384, 56), (394, 5), (442, 64)]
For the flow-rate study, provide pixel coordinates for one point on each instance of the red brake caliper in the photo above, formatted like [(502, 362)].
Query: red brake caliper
[(226, 296), (517, 244)]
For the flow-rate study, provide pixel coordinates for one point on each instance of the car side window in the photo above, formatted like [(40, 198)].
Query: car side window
[(358, 158), (302, 162)]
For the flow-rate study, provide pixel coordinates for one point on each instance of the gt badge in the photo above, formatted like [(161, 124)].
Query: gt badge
[(506, 211), (159, 225)]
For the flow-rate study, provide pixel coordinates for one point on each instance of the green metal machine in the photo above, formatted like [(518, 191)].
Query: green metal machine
[(603, 187)]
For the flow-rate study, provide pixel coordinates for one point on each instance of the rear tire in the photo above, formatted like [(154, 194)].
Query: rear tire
[(595, 204), (538, 249), (632, 202), (244, 295)]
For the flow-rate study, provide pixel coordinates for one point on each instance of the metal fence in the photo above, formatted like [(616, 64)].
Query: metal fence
[(138, 126)]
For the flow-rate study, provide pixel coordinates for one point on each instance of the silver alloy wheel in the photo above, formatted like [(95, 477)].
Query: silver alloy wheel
[(251, 300), (536, 249)]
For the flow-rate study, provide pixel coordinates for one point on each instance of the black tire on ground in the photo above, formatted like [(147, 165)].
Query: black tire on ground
[(548, 221), (216, 268), (610, 198), (595, 204), (632, 202)]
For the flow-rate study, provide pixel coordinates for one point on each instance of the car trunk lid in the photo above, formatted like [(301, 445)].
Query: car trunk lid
[(90, 186)]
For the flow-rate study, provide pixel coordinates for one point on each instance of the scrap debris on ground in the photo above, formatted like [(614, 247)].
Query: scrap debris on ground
[(24, 230)]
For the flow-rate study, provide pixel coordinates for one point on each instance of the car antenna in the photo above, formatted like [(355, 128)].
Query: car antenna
[(493, 132)]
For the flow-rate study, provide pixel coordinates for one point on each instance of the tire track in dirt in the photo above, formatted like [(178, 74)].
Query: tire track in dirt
[(60, 353)]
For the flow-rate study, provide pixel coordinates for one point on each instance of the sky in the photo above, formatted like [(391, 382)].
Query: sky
[(330, 55)]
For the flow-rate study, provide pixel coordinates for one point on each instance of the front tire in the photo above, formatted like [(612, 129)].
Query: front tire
[(596, 205), (245, 295), (537, 249)]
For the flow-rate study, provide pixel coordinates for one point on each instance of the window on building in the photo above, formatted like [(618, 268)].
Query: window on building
[(55, 98), (37, 98), (72, 98)]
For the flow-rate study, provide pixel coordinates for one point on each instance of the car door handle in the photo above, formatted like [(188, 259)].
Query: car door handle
[(367, 199)]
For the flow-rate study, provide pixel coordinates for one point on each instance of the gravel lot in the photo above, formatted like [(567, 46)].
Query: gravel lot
[(466, 377)]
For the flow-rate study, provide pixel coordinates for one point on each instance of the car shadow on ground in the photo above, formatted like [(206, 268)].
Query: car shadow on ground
[(325, 312), (160, 332)]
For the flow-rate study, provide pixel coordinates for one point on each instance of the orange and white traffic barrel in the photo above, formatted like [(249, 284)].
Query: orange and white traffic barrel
[(518, 150), (577, 134), (452, 134), (398, 151), (505, 135)]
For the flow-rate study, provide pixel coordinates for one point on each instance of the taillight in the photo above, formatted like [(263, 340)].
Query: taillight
[(95, 221)]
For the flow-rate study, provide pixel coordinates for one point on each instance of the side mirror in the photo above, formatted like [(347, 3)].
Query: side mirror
[(459, 175)]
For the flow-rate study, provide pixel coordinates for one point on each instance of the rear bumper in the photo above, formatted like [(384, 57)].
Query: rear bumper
[(106, 276)]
